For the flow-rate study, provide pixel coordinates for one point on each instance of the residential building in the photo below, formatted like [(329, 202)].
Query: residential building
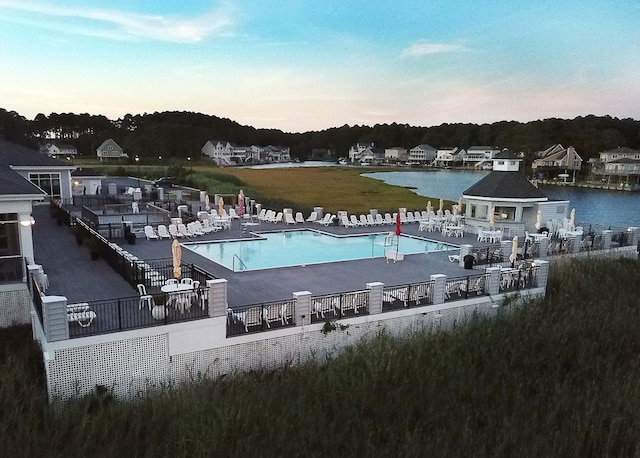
[(424, 154), (557, 158), (59, 150), (479, 156), (225, 153), (362, 152), (396, 154), (448, 156), (86, 181), (109, 149)]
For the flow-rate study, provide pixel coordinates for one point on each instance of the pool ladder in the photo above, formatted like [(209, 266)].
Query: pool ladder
[(233, 267)]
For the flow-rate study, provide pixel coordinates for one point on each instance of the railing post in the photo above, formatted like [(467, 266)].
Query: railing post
[(543, 247), (375, 297), (217, 297), (606, 239), (543, 272), (54, 316), (505, 248), (119, 315), (303, 307), (634, 235), (576, 243), (439, 285), (493, 286), (464, 250)]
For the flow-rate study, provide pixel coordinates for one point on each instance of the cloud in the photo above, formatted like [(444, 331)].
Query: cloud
[(128, 25), (422, 48)]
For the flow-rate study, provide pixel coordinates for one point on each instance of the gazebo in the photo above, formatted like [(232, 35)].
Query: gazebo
[(513, 200)]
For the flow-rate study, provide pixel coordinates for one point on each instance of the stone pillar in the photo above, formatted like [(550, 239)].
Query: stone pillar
[(217, 290), (493, 282), (464, 250), (303, 308), (439, 284), (543, 272), (543, 247), (575, 244), (375, 297), (606, 239), (26, 236), (54, 317), (634, 236), (505, 248)]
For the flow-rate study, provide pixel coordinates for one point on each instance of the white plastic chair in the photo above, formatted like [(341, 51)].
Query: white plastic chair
[(145, 299)]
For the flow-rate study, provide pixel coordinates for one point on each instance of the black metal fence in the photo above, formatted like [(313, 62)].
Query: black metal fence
[(36, 297), (12, 269), (122, 314), (339, 305), (261, 317), (414, 294), (487, 256), (526, 276), (463, 287)]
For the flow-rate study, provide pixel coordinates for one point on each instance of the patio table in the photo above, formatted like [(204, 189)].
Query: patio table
[(179, 293)]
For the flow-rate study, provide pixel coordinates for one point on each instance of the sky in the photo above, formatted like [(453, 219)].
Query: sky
[(311, 65)]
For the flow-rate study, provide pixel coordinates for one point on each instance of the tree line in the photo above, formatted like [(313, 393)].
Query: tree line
[(182, 134)]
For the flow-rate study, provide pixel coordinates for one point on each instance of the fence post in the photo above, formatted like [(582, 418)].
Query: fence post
[(505, 248), (303, 307), (543, 247), (543, 272), (576, 243), (439, 285), (493, 286), (464, 250), (217, 297), (375, 297), (634, 233), (606, 239), (54, 317)]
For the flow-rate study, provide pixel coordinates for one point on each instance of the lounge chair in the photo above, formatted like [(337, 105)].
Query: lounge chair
[(150, 233), (363, 220), (288, 218), (345, 221), (388, 219), (195, 230), (208, 225), (199, 227), (312, 217), (354, 221), (278, 218), (173, 230), (379, 220), (328, 219), (299, 217), (162, 232), (182, 229), (370, 220), (233, 214), (260, 215)]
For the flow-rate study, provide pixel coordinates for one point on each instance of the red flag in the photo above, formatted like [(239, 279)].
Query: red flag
[(398, 231)]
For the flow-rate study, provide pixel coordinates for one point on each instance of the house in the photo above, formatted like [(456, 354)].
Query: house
[(86, 181), (225, 153), (512, 199), (424, 154), (27, 177), (362, 152), (618, 153), (479, 156), (109, 149), (557, 158), (448, 156), (395, 154), (55, 149)]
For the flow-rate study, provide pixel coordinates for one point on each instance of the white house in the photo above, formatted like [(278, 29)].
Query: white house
[(26, 177), (109, 149), (559, 158), (226, 153), (86, 181), (619, 153), (55, 149), (396, 153), (479, 156), (424, 154), (361, 152), (448, 156)]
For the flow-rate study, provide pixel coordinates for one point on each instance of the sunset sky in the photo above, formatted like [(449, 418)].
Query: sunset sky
[(310, 65)]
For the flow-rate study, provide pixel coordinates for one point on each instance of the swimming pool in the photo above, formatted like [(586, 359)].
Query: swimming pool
[(302, 247)]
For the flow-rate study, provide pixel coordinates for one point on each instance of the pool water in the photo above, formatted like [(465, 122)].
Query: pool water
[(302, 247)]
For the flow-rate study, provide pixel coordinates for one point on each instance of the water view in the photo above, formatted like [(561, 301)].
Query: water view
[(607, 208)]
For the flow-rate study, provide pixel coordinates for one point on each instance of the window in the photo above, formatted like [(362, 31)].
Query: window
[(9, 238), (48, 182), (505, 213)]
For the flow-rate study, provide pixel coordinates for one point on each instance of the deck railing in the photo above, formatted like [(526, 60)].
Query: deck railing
[(339, 305), (260, 317), (414, 294), (12, 269), (464, 287)]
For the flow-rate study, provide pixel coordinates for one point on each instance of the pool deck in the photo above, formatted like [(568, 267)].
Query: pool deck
[(73, 274)]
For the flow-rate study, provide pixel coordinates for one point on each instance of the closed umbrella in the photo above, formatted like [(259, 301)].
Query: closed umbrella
[(514, 250), (429, 208), (241, 203), (440, 210), (572, 219), (176, 251), (220, 206), (539, 219), (460, 205), (398, 231), (492, 217), (207, 202)]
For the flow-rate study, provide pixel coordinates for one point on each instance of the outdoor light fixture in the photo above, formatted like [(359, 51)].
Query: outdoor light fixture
[(26, 220)]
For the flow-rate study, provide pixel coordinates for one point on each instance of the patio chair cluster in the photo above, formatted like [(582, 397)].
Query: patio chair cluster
[(448, 224), (180, 230)]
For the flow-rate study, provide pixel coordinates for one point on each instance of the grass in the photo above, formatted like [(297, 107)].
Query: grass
[(556, 377), (300, 188)]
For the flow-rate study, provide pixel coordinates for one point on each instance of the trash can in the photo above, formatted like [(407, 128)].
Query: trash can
[(468, 261)]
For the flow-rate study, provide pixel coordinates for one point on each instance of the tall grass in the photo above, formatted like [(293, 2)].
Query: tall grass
[(555, 377)]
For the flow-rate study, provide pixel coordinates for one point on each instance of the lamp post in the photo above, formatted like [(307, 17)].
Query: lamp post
[(161, 167), (190, 168), (138, 163)]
